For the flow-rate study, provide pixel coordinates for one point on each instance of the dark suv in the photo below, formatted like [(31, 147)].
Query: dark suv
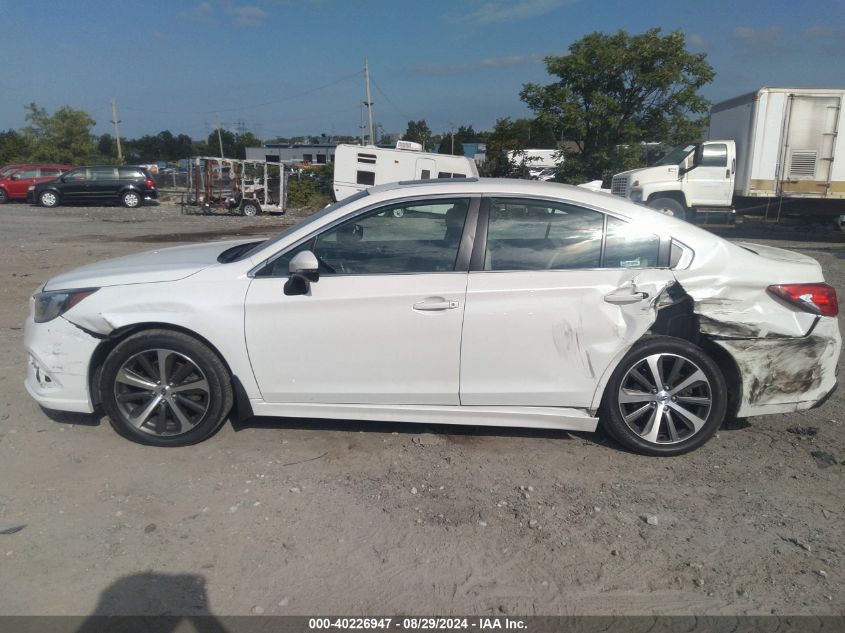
[(98, 184)]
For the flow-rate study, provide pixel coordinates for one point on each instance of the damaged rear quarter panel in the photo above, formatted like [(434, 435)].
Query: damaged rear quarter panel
[(786, 357)]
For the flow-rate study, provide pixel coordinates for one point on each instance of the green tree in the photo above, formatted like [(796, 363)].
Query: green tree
[(14, 148), (63, 137), (106, 147), (515, 135), (228, 138), (242, 141), (613, 92), (466, 134), (418, 132), (446, 146)]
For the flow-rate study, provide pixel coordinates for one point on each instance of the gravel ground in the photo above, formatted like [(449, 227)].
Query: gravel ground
[(305, 517)]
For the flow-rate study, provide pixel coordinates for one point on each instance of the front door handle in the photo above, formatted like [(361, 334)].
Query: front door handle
[(625, 298), (436, 303)]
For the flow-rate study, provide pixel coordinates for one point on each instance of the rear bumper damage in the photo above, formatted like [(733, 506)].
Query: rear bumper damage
[(786, 374)]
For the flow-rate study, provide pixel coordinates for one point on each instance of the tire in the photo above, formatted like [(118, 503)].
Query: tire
[(250, 208), (165, 412), (669, 206), (48, 199), (4, 197), (629, 409), (131, 199)]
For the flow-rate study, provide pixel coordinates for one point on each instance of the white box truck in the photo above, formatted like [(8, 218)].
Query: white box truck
[(771, 151), (358, 167)]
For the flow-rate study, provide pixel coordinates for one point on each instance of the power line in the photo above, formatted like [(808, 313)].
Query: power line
[(386, 98), (304, 93)]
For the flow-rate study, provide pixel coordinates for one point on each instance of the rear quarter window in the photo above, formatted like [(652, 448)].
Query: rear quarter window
[(129, 173)]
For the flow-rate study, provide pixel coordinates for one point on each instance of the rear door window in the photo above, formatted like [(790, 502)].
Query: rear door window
[(541, 235), (102, 173), (626, 246)]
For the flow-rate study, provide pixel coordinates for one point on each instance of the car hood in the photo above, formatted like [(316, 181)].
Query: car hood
[(166, 264)]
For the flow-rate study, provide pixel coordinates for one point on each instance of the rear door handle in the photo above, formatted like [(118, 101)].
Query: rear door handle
[(625, 298), (436, 303)]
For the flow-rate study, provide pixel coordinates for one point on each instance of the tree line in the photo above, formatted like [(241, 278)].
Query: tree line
[(611, 96)]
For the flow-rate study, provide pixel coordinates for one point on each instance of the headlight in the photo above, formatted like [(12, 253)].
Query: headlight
[(49, 305)]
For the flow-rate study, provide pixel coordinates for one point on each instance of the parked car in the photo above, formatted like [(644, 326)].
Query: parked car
[(483, 302), (129, 185), (15, 180)]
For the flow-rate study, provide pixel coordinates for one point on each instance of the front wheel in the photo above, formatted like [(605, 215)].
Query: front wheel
[(48, 199), (165, 388), (666, 397), (4, 197), (131, 199), (669, 206)]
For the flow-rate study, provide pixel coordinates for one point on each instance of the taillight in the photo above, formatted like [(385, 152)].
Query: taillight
[(815, 298), (150, 184)]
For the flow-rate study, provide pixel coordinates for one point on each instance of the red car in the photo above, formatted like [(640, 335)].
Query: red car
[(15, 180)]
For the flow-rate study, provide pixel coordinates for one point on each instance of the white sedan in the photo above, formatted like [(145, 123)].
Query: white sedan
[(484, 302)]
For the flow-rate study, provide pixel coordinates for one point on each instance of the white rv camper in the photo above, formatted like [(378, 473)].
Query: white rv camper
[(358, 167), (541, 163), (770, 150)]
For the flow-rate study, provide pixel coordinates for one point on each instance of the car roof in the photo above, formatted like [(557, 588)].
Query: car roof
[(615, 205)]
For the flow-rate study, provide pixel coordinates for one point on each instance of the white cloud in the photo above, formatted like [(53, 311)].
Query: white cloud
[(697, 42), (492, 11), (201, 12), (248, 15), (489, 62), (758, 40)]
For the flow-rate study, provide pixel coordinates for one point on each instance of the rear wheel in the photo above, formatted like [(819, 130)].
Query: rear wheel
[(131, 199), (666, 397), (48, 199), (669, 206), (250, 208), (165, 388)]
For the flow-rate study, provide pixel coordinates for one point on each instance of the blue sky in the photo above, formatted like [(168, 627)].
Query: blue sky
[(289, 67)]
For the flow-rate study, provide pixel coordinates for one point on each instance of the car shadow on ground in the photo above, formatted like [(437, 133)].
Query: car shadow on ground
[(456, 432), (68, 417)]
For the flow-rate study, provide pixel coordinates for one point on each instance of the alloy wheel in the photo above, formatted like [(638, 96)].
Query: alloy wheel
[(131, 200), (665, 398), (49, 199), (162, 392)]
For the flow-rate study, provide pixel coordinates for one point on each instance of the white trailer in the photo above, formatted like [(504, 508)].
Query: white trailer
[(773, 150), (358, 167)]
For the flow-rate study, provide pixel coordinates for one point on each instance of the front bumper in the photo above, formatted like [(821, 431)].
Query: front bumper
[(59, 355)]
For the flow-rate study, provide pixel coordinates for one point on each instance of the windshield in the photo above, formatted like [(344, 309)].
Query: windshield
[(7, 170), (677, 155), (322, 212)]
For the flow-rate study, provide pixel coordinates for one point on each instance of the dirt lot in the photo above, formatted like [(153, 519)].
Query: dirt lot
[(302, 517)]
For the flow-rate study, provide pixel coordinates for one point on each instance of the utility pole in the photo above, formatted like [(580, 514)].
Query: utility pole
[(220, 138), (116, 122), (369, 101), (452, 129)]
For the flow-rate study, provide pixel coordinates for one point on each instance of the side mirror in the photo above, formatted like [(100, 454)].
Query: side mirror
[(14, 177), (304, 269)]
